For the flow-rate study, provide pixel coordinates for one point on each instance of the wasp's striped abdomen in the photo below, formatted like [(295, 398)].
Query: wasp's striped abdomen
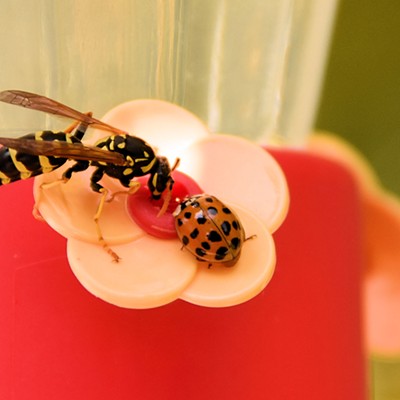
[(16, 165)]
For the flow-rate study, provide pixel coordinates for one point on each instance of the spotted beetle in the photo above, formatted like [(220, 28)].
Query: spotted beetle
[(120, 155), (209, 230)]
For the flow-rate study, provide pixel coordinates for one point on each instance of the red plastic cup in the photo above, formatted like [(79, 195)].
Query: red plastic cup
[(301, 338)]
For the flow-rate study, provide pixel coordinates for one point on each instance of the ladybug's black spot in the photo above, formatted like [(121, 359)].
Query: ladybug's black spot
[(226, 228), (214, 236), (235, 243), (187, 215), (200, 218), (209, 199), (221, 253), (235, 225), (200, 252), (205, 245), (194, 233), (185, 240), (222, 250), (179, 222), (226, 210), (212, 211)]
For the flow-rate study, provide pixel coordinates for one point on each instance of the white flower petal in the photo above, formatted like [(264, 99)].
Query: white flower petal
[(241, 171), (69, 208), (165, 126), (221, 286), (151, 272), (228, 167)]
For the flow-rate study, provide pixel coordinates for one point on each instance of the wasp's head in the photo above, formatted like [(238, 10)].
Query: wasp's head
[(160, 179)]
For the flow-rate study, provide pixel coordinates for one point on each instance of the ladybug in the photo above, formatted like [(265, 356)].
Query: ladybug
[(209, 230)]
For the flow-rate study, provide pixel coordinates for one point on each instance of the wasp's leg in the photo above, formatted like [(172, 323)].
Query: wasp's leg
[(133, 187), (94, 183), (167, 194), (35, 211), (168, 191), (73, 126), (79, 166), (95, 179), (102, 241), (166, 201)]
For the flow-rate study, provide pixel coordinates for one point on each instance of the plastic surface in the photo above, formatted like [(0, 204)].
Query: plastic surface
[(223, 165), (381, 226), (300, 338), (145, 213), (251, 68)]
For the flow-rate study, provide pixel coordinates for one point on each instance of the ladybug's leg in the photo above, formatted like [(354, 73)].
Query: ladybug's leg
[(96, 176), (202, 261), (250, 237)]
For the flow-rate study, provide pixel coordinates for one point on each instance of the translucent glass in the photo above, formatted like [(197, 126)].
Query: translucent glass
[(250, 67)]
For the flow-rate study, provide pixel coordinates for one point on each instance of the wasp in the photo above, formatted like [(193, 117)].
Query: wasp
[(120, 156)]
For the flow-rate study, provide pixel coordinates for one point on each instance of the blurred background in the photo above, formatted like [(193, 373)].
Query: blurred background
[(360, 102), (361, 95), (360, 98)]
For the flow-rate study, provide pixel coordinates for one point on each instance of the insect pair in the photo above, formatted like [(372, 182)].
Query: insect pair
[(211, 232)]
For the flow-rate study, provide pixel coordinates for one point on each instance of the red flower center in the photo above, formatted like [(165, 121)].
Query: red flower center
[(144, 210)]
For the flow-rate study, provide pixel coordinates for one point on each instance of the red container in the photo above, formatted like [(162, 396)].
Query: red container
[(300, 338)]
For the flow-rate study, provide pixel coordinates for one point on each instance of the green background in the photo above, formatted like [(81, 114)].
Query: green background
[(361, 96), (361, 103)]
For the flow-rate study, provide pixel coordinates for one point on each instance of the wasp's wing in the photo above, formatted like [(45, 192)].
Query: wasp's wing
[(42, 103), (75, 151)]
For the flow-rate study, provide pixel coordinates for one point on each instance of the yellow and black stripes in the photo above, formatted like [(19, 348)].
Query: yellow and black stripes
[(141, 160), (122, 157), (16, 165), (119, 156)]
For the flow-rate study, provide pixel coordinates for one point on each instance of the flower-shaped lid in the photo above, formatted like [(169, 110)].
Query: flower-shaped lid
[(154, 271)]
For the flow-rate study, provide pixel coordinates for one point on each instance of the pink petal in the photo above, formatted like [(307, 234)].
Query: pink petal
[(165, 126), (241, 171), (151, 272), (69, 208)]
